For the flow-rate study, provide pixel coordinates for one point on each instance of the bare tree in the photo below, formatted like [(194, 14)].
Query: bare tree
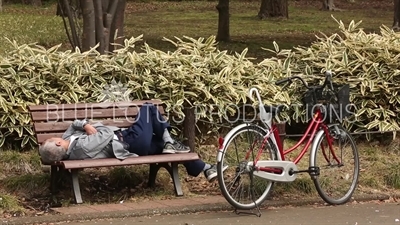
[(36, 2), (89, 25), (273, 8), (329, 5), (102, 23), (73, 4), (396, 18), (65, 10), (223, 21), (117, 26)]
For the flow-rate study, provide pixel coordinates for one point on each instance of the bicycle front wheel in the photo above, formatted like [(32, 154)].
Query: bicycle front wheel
[(339, 166), (239, 186)]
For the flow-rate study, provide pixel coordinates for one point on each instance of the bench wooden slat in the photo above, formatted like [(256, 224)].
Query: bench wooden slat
[(63, 115), (84, 106), (63, 126), (108, 162)]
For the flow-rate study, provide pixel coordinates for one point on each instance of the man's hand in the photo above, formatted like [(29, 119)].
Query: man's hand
[(89, 129)]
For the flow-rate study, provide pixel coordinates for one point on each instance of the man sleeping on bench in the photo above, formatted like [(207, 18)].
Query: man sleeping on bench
[(149, 135)]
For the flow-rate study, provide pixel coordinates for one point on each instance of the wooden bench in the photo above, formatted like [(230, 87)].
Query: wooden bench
[(53, 120)]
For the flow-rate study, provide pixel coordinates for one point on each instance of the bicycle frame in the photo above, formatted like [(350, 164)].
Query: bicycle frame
[(314, 125)]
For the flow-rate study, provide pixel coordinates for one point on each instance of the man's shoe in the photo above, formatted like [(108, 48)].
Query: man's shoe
[(180, 148), (211, 174), (168, 148)]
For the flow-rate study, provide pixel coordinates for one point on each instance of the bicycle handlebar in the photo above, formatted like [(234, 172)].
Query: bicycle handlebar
[(328, 80), (279, 82)]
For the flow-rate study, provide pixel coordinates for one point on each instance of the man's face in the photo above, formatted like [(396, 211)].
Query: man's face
[(57, 141)]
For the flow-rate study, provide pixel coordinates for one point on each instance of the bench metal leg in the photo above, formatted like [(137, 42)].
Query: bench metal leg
[(173, 172), (55, 175), (54, 179), (75, 186), (153, 174)]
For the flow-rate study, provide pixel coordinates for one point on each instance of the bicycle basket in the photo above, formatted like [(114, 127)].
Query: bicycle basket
[(334, 104)]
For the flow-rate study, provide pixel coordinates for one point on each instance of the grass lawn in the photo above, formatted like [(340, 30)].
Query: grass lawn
[(156, 20)]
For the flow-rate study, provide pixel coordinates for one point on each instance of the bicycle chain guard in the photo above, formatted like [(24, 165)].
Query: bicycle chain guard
[(284, 176)]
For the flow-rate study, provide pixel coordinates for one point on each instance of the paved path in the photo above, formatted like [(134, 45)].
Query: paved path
[(191, 205), (352, 214), (142, 205)]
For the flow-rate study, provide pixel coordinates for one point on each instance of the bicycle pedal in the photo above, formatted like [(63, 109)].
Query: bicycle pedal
[(267, 169)]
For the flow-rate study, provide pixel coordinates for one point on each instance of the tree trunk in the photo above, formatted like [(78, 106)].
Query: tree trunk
[(36, 2), (396, 18), (102, 20), (99, 25), (1, 5), (329, 5), (89, 28), (104, 5), (223, 20), (73, 36), (74, 5), (109, 17), (273, 8), (117, 27), (60, 9)]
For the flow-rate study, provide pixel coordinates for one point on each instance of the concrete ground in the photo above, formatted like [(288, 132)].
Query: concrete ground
[(352, 214), (190, 205)]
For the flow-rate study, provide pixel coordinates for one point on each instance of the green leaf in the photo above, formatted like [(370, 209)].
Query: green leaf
[(25, 140), (276, 47)]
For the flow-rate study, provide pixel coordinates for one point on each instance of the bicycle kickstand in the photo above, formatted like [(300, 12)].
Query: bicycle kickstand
[(258, 214)]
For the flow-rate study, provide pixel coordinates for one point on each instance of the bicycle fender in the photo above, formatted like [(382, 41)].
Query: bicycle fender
[(229, 136), (314, 147)]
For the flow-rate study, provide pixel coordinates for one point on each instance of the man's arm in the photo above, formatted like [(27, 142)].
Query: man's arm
[(79, 124), (89, 129), (96, 142), (76, 125)]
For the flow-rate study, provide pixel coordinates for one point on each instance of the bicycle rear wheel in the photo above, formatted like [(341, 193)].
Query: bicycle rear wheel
[(339, 170), (239, 186)]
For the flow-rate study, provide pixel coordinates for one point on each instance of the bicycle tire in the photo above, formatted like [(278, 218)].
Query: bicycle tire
[(220, 165), (319, 182)]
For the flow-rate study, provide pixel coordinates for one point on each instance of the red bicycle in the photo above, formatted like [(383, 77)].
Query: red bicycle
[(251, 157)]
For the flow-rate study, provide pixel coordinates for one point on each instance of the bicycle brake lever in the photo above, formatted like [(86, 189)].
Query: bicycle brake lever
[(329, 75)]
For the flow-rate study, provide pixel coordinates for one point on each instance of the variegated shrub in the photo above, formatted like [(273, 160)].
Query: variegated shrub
[(198, 74)]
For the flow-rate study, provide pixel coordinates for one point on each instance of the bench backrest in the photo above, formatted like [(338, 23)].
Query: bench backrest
[(53, 120)]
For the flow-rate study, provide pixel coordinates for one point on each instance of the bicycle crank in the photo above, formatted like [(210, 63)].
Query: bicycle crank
[(279, 171)]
